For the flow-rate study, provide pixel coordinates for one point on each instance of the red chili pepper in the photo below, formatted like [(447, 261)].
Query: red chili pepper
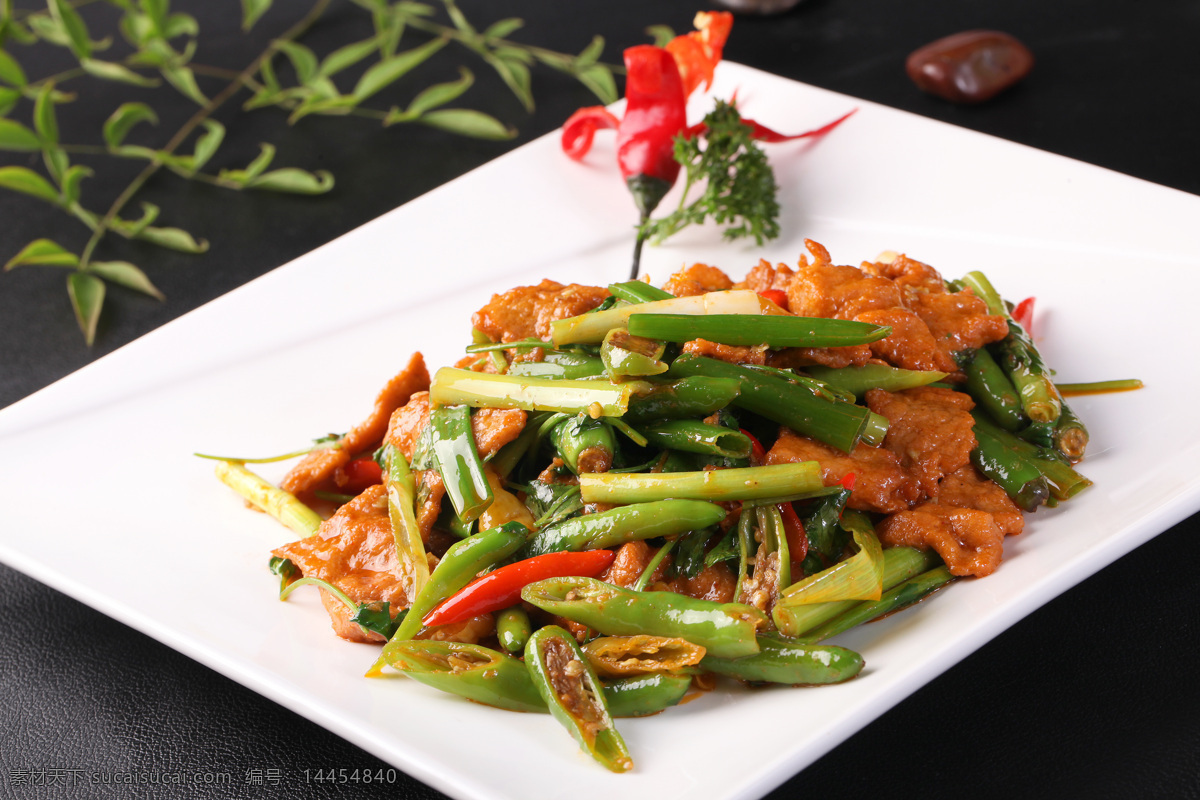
[(849, 481), (758, 453), (502, 588), (361, 473), (1023, 314), (797, 539), (776, 296)]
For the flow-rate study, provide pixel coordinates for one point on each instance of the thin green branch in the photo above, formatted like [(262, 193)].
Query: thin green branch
[(197, 119)]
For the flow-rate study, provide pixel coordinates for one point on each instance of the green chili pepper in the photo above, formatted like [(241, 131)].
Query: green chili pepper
[(723, 629), (495, 679), (467, 670), (568, 366), (626, 356), (789, 661), (991, 388), (581, 437), (642, 695), (696, 396), (458, 461), (617, 526), (572, 692), (858, 380), (513, 629), (693, 436), (458, 567)]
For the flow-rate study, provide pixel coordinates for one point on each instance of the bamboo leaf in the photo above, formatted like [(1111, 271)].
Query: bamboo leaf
[(173, 239), (48, 29), (505, 27), (26, 181), (73, 26), (131, 229), (43, 253), (389, 70), (121, 121), (15, 136), (516, 75), (599, 79), (304, 60), (44, 119), (72, 178), (10, 71), (207, 143), (183, 79), (260, 163), (468, 122), (180, 24), (56, 162), (252, 11), (8, 99), (458, 18), (661, 34), (333, 106), (590, 54), (156, 10), (293, 181), (125, 274), (87, 298), (440, 94), (110, 71), (348, 56)]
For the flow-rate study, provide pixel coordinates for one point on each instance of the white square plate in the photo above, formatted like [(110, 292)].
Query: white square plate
[(138, 528)]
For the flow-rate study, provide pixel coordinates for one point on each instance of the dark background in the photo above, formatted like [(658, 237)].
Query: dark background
[(1094, 695)]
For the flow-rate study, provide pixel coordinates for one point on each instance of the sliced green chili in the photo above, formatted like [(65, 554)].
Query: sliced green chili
[(458, 461), (612, 528)]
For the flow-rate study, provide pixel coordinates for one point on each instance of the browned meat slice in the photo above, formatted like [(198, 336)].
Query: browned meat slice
[(958, 320), (764, 276), (715, 583), (966, 488), (734, 354), (910, 275), (527, 311), (835, 357), (321, 469), (880, 483), (493, 427), (821, 289), (969, 541), (930, 431), (697, 279), (356, 552), (910, 345)]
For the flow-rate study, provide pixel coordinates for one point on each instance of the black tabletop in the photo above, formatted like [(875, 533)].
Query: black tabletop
[(1093, 695)]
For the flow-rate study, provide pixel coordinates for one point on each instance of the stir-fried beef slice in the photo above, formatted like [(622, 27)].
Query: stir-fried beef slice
[(322, 468), (697, 279), (909, 275), (880, 483), (430, 492), (958, 320), (527, 311), (822, 289), (766, 276), (734, 354), (910, 345), (716, 582), (930, 430), (493, 427), (966, 488), (355, 551), (969, 541), (835, 357)]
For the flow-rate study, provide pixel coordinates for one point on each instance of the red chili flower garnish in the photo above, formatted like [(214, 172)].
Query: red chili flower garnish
[(502, 588), (1023, 314)]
